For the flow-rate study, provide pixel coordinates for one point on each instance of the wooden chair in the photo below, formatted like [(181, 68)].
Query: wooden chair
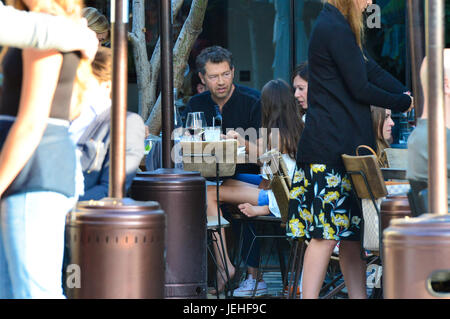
[(280, 182), (368, 183), (397, 157)]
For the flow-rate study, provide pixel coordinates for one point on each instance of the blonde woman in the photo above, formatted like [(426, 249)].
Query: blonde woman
[(37, 160), (343, 83), (97, 22)]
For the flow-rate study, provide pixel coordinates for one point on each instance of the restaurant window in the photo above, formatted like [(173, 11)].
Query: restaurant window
[(269, 37), (389, 47), (257, 32)]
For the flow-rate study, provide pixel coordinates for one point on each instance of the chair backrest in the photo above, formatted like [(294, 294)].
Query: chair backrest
[(397, 157), (423, 199), (366, 166), (417, 202), (280, 181)]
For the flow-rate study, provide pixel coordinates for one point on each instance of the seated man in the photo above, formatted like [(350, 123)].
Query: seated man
[(91, 132), (239, 106), (418, 140)]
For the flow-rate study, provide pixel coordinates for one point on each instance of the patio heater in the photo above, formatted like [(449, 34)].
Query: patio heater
[(181, 194), (116, 243), (416, 40), (417, 250)]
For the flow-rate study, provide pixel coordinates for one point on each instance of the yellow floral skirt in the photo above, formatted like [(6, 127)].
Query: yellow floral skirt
[(322, 204)]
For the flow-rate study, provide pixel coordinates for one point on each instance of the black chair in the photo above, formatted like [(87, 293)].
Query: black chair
[(423, 199), (417, 203)]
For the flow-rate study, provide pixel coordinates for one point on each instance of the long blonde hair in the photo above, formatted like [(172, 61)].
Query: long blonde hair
[(72, 10), (354, 16)]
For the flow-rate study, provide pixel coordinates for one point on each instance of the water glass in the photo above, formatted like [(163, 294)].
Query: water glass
[(212, 134)]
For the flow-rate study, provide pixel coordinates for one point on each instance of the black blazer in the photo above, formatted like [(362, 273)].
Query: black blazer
[(342, 85)]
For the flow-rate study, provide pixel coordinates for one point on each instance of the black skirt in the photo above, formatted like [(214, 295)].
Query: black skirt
[(322, 204)]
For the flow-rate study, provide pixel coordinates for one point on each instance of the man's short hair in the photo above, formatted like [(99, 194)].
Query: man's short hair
[(214, 54)]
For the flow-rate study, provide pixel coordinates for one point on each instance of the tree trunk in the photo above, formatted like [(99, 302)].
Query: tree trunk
[(147, 72), (143, 67), (188, 35)]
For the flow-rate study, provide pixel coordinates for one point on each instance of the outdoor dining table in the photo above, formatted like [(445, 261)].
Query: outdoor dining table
[(215, 159)]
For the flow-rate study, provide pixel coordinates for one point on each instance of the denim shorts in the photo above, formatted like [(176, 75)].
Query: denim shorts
[(263, 198), (51, 166)]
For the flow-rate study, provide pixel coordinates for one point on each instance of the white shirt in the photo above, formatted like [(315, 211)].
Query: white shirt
[(96, 105)]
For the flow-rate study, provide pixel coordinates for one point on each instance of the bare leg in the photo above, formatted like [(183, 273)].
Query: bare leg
[(353, 268), (252, 211), (234, 194), (317, 257)]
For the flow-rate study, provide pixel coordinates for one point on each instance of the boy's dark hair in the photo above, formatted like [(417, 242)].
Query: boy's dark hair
[(214, 54), (195, 80)]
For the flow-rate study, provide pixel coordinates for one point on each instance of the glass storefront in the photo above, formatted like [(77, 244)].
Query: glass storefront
[(269, 37)]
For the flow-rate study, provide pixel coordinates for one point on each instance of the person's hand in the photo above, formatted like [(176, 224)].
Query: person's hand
[(90, 44), (232, 135), (235, 136)]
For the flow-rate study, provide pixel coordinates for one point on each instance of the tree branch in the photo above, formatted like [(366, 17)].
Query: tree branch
[(188, 35), (155, 61)]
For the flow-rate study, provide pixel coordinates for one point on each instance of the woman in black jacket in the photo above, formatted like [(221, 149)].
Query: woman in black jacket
[(343, 82)]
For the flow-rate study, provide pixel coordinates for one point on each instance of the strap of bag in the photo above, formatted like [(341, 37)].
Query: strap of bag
[(366, 147)]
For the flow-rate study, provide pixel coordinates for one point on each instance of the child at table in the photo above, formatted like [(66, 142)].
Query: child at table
[(279, 113)]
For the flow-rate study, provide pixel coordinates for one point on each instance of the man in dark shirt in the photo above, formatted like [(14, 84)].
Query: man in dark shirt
[(238, 106), (240, 110)]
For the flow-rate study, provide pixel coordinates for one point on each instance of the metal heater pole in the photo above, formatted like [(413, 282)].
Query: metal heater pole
[(416, 35), (437, 164), (119, 22), (181, 193), (166, 82), (416, 262)]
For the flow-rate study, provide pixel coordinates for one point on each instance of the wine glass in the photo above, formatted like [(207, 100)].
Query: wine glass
[(195, 122)]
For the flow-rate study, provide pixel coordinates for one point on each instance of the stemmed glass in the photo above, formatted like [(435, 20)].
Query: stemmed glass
[(195, 123)]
